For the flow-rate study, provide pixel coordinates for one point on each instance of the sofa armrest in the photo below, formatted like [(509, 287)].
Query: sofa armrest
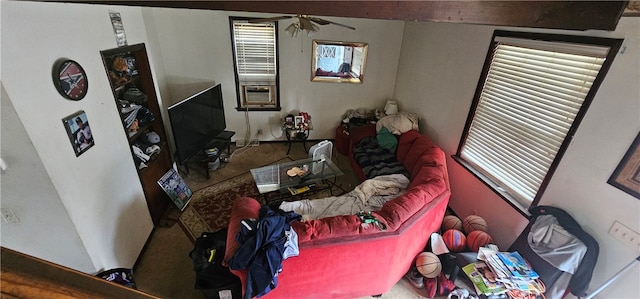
[(242, 208)]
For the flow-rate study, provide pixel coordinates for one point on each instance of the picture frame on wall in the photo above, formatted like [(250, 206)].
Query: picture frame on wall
[(79, 132), (626, 176)]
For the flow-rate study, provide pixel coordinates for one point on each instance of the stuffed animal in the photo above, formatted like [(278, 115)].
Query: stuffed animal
[(119, 72)]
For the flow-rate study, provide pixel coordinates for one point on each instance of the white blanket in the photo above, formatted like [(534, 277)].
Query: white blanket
[(399, 123), (370, 195)]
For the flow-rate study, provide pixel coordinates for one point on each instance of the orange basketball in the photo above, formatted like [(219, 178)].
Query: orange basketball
[(451, 222), (477, 239), (428, 264), (474, 222), (454, 239)]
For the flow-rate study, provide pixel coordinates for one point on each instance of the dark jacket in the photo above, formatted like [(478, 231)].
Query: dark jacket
[(580, 280), (261, 248)]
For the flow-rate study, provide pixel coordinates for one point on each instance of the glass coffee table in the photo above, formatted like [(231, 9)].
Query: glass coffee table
[(274, 177)]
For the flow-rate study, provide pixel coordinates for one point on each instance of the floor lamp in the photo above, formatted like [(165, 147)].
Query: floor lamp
[(613, 278)]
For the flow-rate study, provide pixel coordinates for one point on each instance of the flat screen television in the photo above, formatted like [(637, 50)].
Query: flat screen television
[(197, 120)]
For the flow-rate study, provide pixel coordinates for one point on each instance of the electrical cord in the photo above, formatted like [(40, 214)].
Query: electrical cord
[(247, 134)]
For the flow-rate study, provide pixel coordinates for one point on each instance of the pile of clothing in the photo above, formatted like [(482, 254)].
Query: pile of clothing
[(264, 243)]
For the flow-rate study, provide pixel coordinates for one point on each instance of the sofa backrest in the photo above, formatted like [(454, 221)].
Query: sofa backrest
[(424, 160), (429, 180)]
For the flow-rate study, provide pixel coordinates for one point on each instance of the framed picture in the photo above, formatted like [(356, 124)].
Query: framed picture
[(173, 184), (626, 177), (299, 121), (288, 121), (79, 132)]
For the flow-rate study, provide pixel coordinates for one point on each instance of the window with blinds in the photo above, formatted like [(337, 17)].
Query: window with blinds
[(255, 58), (532, 94)]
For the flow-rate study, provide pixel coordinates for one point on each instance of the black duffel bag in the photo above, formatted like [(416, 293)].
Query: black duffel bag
[(212, 278)]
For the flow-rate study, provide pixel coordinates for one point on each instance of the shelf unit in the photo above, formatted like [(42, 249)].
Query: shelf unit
[(160, 162)]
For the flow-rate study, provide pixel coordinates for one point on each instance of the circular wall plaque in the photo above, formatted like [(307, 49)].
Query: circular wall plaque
[(70, 79)]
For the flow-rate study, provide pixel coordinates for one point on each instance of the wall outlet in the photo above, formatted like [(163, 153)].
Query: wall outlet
[(9, 216), (259, 132), (625, 235)]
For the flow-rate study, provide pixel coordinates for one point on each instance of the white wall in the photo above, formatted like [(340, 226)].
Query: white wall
[(95, 201), (29, 192), (196, 49), (437, 75)]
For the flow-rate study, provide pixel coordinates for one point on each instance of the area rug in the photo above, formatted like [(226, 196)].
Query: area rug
[(209, 208)]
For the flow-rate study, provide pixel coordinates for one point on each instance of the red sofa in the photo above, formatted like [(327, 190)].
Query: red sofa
[(340, 258)]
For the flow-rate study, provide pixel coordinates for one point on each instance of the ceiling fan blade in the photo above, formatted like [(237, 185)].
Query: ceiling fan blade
[(319, 21), (342, 25), (274, 19), (326, 22)]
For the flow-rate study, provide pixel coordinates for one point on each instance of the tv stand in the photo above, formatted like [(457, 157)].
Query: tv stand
[(202, 158)]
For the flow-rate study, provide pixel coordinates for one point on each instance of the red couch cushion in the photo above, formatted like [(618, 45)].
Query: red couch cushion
[(398, 210)]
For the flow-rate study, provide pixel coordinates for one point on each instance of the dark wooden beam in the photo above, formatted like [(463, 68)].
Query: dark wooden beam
[(24, 276), (571, 15)]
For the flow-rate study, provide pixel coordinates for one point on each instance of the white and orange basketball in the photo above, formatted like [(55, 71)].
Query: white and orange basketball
[(428, 264)]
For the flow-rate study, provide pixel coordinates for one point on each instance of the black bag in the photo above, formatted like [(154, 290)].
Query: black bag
[(212, 278)]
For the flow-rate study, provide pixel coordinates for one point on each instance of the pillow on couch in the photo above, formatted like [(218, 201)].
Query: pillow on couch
[(387, 140)]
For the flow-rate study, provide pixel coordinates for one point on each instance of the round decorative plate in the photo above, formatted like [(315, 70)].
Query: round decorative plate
[(70, 79)]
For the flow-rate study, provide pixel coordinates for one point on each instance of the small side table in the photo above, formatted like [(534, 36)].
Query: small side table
[(296, 135), (203, 159)]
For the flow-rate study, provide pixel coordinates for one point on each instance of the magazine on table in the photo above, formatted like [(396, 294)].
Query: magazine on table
[(173, 184)]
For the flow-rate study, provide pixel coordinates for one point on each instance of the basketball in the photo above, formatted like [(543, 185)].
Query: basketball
[(474, 222), (451, 222), (428, 264), (455, 240), (477, 239)]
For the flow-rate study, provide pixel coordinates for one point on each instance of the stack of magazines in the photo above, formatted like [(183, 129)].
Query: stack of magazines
[(502, 272)]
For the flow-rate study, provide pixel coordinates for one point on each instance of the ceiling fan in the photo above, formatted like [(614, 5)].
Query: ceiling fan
[(305, 22)]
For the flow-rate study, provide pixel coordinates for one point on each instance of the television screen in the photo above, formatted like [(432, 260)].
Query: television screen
[(197, 120)]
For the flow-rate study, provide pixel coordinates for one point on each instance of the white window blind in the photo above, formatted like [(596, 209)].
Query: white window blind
[(531, 95), (255, 46)]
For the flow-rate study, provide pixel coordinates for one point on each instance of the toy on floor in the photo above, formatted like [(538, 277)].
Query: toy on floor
[(477, 239), (474, 222), (428, 264), (455, 240), (451, 222)]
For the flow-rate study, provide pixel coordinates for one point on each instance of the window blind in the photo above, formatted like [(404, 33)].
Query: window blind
[(531, 96), (255, 46)]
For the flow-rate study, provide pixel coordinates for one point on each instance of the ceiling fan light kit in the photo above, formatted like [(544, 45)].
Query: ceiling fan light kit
[(293, 29)]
